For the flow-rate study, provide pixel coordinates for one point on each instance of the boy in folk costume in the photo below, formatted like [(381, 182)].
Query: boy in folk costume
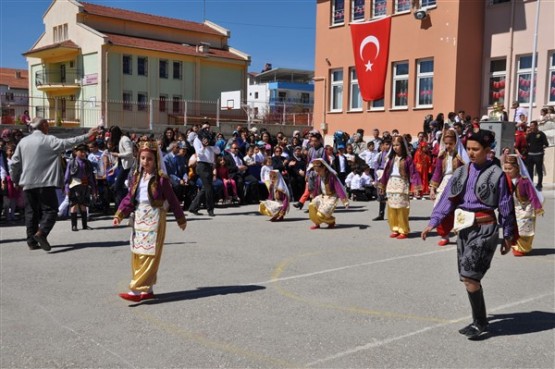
[(473, 193), (451, 156), (398, 175), (528, 203), (79, 183), (325, 194), (278, 199), (150, 195)]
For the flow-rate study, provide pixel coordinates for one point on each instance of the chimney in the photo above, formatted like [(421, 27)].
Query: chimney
[(203, 47)]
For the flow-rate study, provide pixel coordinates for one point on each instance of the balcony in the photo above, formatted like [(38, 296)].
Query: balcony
[(63, 80), (291, 101)]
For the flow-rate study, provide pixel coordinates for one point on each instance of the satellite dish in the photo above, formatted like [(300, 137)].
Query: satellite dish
[(420, 14)]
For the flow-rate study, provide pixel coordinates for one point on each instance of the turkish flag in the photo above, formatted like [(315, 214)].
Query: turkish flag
[(371, 51)]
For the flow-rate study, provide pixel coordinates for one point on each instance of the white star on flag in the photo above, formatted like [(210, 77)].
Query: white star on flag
[(368, 66)]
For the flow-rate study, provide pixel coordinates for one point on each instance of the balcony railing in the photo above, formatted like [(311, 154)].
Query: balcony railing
[(59, 77), (281, 100)]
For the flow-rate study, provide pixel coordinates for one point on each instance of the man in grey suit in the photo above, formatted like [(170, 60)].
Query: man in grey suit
[(36, 167)]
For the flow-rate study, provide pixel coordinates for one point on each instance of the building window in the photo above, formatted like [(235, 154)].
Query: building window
[(177, 70), (282, 96), (336, 91), (9, 96), (425, 82), (65, 32), (377, 105), (400, 84), (305, 98), (127, 100), (127, 64), (524, 78), (338, 12), (427, 3), (163, 69), (497, 76), (176, 104), (162, 103), (142, 102), (142, 66), (402, 6), (256, 95), (357, 10), (551, 83), (379, 8), (355, 100)]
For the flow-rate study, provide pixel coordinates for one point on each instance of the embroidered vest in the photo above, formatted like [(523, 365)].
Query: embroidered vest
[(487, 185)]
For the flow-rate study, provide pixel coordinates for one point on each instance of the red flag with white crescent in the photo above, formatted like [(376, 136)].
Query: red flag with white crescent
[(371, 51)]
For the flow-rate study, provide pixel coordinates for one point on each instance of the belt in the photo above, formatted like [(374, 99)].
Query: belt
[(535, 153), (484, 217)]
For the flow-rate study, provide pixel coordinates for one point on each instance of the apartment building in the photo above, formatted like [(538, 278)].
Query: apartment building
[(444, 56), (133, 69)]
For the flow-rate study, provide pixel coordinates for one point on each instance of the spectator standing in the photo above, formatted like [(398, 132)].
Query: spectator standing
[(518, 112), (537, 142), (123, 151), (37, 168)]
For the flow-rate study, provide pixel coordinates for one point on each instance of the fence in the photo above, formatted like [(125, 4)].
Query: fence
[(147, 113)]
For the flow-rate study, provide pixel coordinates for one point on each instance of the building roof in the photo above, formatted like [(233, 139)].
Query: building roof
[(285, 75), (67, 44), (9, 77), (109, 12), (165, 46)]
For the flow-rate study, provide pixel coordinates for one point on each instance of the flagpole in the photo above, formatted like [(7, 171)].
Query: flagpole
[(534, 50)]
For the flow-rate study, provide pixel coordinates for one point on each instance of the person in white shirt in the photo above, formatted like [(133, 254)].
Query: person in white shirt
[(368, 155), (206, 155), (265, 171)]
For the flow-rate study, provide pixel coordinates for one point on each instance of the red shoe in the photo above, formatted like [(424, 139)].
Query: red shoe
[(518, 253), (315, 227), (443, 242), (402, 236), (331, 225), (147, 295), (394, 235), (130, 297)]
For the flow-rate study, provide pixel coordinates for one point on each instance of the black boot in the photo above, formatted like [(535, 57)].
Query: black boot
[(382, 211), (299, 205), (84, 220), (74, 222), (479, 326)]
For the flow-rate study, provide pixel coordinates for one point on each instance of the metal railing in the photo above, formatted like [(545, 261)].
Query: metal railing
[(70, 76)]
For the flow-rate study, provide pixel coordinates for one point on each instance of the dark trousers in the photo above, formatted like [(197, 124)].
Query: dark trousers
[(204, 171), (119, 185), (537, 162), (41, 209)]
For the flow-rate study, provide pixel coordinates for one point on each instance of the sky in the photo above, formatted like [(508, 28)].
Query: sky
[(280, 32)]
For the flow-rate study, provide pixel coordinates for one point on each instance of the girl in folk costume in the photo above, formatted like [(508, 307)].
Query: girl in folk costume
[(451, 156), (278, 199), (423, 165), (397, 177), (327, 190), (150, 195), (79, 183), (528, 203)]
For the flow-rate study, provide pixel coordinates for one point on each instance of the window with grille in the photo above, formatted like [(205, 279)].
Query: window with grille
[(524, 79), (163, 69), (142, 66), (355, 99), (338, 12)]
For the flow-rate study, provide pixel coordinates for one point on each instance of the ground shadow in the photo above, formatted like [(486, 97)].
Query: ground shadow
[(199, 293), (541, 252), (359, 226), (350, 210), (12, 240), (418, 218), (86, 245), (521, 323)]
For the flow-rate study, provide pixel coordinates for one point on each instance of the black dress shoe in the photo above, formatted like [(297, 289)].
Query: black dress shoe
[(42, 241), (33, 245), (379, 217), (475, 331), (299, 205), (211, 214), (196, 212)]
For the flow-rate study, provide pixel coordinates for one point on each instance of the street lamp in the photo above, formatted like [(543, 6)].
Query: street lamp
[(323, 125)]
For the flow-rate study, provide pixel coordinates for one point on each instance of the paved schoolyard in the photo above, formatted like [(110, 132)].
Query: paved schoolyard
[(237, 291)]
